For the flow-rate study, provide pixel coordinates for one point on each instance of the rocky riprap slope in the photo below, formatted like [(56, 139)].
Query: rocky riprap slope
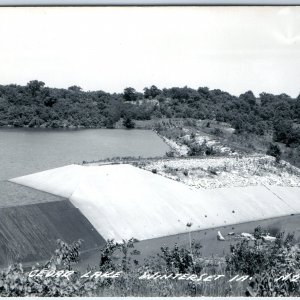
[(226, 171)]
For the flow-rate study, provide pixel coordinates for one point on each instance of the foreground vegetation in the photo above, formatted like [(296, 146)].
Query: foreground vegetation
[(257, 263)]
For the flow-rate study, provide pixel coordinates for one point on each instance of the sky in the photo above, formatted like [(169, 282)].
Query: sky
[(234, 49)]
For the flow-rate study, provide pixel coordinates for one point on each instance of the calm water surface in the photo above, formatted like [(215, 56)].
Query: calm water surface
[(25, 151)]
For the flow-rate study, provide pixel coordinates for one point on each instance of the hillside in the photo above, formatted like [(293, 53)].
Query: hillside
[(36, 105)]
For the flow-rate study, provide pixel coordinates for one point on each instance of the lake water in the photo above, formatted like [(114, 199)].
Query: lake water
[(25, 151)]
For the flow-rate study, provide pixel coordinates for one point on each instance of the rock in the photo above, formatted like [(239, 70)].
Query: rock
[(220, 236), (268, 238), (231, 233), (248, 236)]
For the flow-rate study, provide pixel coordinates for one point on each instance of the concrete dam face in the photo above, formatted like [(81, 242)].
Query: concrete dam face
[(122, 201), (28, 233)]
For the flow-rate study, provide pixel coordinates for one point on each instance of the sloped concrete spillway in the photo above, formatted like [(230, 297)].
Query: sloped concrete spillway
[(28, 233), (122, 201)]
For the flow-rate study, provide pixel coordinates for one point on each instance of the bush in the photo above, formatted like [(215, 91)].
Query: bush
[(196, 149), (210, 151), (274, 151), (106, 256), (255, 257), (128, 123), (15, 282), (217, 132), (283, 130), (181, 260), (170, 153), (66, 254), (275, 276)]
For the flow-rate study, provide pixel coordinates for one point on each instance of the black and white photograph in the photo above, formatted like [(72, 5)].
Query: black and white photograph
[(150, 151)]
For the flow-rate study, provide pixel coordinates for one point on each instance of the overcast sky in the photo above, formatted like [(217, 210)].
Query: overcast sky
[(231, 48)]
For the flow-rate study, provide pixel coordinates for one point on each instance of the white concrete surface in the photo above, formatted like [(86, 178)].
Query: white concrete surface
[(60, 181), (122, 201)]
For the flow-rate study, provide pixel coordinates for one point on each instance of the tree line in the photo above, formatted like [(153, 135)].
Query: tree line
[(36, 105)]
